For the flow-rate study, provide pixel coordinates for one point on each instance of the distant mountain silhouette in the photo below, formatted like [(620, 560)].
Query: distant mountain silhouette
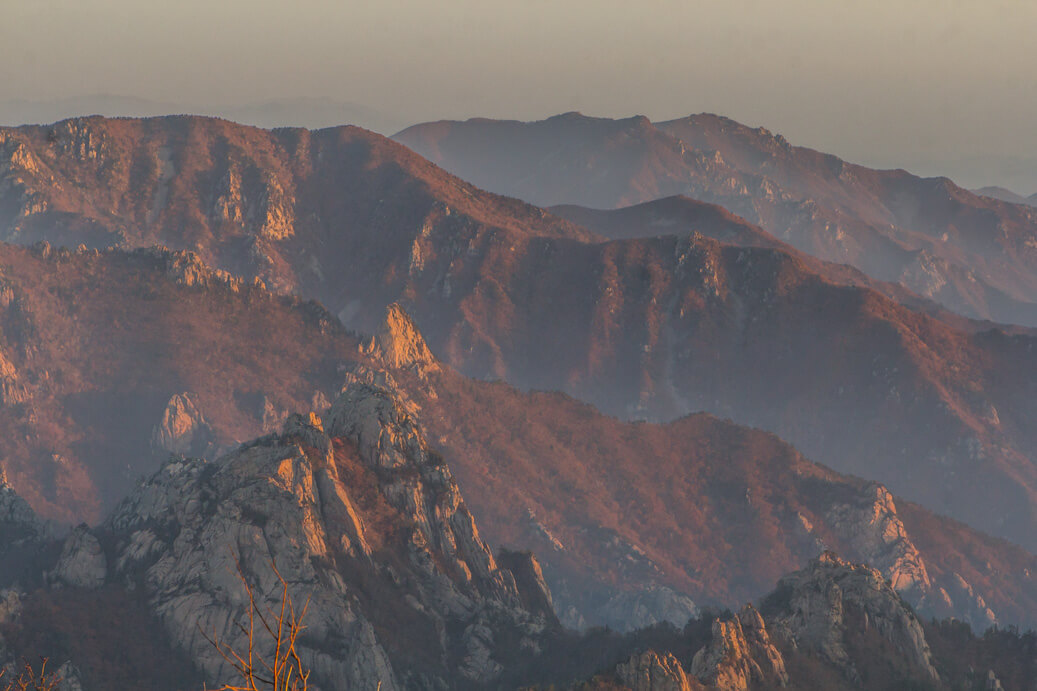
[(975, 255), (1006, 195), (313, 113)]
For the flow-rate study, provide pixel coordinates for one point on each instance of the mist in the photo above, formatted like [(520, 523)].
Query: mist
[(936, 87)]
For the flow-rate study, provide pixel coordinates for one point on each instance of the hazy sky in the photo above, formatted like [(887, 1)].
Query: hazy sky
[(907, 82)]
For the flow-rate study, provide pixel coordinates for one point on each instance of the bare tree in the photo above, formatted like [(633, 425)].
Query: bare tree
[(30, 680), (285, 670)]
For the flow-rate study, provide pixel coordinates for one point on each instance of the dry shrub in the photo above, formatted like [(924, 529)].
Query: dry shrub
[(31, 680), (285, 670)]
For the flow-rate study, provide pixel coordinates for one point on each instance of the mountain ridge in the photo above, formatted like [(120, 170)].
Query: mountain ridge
[(971, 254)]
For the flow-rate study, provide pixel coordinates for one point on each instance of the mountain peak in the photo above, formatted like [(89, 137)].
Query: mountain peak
[(810, 607), (399, 343)]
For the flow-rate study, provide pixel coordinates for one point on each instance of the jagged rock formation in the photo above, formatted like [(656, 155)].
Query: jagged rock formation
[(833, 625), (11, 389), (17, 519), (361, 518), (399, 345), (740, 655), (811, 609), (651, 671), (873, 528), (182, 429), (529, 577), (69, 676)]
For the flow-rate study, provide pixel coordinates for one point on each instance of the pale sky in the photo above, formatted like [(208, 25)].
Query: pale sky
[(909, 82)]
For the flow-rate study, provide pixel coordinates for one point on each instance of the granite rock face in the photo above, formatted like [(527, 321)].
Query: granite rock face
[(82, 563), (809, 610), (400, 345), (872, 526), (651, 671), (361, 520), (22, 535), (12, 390), (871, 531), (740, 655), (182, 429)]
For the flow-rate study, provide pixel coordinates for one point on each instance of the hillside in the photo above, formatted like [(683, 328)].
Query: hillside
[(116, 359), (651, 327), (99, 350), (682, 215)]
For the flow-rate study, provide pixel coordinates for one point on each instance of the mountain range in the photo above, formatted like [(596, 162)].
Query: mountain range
[(314, 112), (937, 409), (971, 253), (355, 339)]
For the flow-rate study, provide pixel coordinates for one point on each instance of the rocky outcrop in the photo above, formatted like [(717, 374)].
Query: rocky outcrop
[(809, 610), (182, 429), (399, 344), (740, 655), (362, 520), (69, 678), (181, 534), (871, 531), (651, 671), (22, 536), (11, 389), (263, 208), (18, 522), (955, 594), (653, 604), (530, 581), (870, 524), (82, 563)]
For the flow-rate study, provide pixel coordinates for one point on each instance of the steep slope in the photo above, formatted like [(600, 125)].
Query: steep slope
[(682, 215), (657, 328), (625, 517), (324, 214), (108, 352), (973, 254)]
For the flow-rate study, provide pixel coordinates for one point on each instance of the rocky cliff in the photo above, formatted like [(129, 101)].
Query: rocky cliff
[(740, 655), (23, 536), (824, 606), (362, 520), (831, 625)]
